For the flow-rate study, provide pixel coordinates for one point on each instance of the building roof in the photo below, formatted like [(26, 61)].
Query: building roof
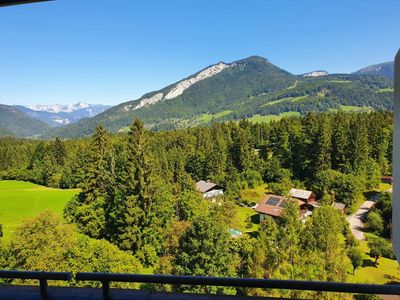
[(205, 186), (300, 194), (273, 205)]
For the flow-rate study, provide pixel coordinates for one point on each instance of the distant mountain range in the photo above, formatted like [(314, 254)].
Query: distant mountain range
[(385, 69), (251, 88), (17, 123), (58, 114)]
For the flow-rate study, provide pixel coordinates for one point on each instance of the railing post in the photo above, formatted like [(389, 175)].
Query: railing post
[(106, 289), (43, 289), (396, 160)]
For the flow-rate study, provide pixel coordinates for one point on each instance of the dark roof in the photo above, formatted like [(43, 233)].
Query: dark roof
[(205, 186)]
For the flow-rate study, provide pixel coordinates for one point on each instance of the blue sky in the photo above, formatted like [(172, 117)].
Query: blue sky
[(110, 51)]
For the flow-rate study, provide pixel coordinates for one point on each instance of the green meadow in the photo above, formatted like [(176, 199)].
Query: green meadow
[(204, 118), (386, 271), (20, 200), (268, 118), (290, 99)]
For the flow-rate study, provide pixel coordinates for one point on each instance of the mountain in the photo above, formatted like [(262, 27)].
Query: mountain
[(251, 88), (315, 73), (5, 132), (384, 69), (58, 114), (17, 123), (216, 88)]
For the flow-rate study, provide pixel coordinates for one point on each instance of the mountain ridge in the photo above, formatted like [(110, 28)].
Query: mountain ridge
[(247, 88), (19, 123), (385, 69), (62, 114), (245, 77)]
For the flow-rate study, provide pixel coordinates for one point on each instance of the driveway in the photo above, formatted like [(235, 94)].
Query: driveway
[(356, 220)]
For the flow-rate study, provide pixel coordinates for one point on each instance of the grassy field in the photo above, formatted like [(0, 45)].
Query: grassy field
[(386, 271), (242, 213), (204, 118), (268, 118), (340, 81), (291, 99), (348, 108), (385, 90), (20, 200)]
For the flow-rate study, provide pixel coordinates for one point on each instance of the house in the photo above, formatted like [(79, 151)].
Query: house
[(273, 205), (308, 197), (209, 189)]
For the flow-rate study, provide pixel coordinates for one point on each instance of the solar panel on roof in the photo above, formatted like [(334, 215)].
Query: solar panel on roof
[(272, 201)]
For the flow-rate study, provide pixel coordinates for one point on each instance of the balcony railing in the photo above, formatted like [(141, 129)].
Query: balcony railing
[(107, 278)]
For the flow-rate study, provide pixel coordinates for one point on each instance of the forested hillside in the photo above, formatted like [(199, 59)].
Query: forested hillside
[(137, 190), (243, 89), (16, 123)]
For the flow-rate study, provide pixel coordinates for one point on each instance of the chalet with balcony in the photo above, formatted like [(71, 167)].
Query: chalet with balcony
[(274, 206), (209, 189)]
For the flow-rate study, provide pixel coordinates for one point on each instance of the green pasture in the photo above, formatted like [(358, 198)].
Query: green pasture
[(268, 118), (20, 200)]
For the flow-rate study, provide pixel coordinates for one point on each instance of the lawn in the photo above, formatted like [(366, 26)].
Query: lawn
[(349, 108), (20, 200), (340, 81), (385, 90), (268, 118), (289, 114), (290, 99), (204, 118), (242, 214), (386, 271)]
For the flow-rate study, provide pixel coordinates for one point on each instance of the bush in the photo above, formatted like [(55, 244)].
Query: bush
[(374, 223)]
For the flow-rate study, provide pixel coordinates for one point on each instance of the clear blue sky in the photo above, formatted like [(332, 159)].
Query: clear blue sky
[(110, 51)]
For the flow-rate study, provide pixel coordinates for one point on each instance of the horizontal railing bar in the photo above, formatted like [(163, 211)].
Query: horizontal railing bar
[(14, 274), (245, 282), (16, 2)]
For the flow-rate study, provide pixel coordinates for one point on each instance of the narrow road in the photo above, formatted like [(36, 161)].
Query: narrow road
[(356, 220)]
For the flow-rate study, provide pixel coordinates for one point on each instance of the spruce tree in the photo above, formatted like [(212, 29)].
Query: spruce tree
[(88, 208)]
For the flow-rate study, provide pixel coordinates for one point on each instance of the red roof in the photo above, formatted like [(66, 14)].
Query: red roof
[(273, 205)]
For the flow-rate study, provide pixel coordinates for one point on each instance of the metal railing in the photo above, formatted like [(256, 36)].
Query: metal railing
[(17, 2), (107, 278), (42, 277)]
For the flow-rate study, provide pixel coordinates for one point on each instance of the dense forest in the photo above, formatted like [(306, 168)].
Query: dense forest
[(138, 195)]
